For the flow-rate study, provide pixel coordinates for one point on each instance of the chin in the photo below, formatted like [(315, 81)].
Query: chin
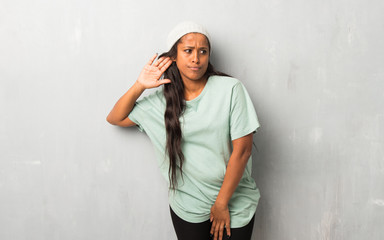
[(197, 78), (194, 77)]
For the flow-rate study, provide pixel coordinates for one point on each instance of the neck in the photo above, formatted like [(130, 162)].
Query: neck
[(192, 89)]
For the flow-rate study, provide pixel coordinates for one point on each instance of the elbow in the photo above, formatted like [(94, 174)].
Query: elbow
[(111, 120), (242, 148), (126, 122), (246, 154)]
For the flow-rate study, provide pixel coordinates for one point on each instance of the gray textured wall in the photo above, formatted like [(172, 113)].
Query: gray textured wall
[(314, 70)]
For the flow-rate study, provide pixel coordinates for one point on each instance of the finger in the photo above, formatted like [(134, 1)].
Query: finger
[(221, 230), (228, 228), (163, 62), (212, 228), (217, 229), (163, 81), (166, 66), (152, 59), (158, 61)]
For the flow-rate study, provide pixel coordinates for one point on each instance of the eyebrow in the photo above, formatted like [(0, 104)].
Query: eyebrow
[(194, 47)]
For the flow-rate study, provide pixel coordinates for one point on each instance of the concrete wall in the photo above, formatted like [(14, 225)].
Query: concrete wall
[(314, 70)]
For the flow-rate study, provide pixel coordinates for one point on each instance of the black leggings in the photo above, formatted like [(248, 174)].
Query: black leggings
[(201, 231)]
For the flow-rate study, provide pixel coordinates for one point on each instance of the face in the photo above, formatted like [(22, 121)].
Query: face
[(192, 57)]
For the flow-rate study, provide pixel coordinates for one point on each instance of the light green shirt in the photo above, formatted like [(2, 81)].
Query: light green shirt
[(221, 113)]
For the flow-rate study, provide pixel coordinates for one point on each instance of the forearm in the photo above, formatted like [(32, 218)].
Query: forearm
[(234, 172), (235, 169), (125, 104)]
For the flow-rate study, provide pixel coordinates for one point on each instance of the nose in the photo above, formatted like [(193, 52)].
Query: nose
[(195, 57)]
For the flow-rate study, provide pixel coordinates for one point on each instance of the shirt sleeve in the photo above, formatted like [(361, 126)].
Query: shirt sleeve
[(148, 112), (243, 118), (137, 116)]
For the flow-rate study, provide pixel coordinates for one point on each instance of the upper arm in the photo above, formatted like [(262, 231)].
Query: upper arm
[(123, 123), (243, 145), (127, 123)]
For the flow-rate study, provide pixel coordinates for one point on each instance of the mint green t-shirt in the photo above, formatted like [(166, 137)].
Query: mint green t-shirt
[(221, 113)]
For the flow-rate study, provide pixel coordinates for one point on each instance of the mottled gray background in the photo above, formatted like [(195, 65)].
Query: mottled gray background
[(314, 70)]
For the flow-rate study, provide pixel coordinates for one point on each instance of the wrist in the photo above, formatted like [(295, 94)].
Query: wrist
[(140, 87), (221, 202)]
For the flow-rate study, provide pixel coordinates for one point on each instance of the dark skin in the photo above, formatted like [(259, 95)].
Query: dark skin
[(192, 61), (242, 150), (148, 78)]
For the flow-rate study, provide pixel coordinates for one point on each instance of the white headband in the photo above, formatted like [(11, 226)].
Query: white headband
[(184, 28)]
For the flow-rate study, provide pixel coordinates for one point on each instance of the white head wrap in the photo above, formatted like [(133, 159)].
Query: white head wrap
[(184, 28)]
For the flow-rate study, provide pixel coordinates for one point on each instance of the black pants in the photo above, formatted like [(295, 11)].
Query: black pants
[(201, 231)]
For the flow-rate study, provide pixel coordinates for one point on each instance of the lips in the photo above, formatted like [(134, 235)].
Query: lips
[(195, 68)]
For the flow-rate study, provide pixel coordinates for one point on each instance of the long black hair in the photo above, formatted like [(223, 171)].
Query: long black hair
[(175, 106)]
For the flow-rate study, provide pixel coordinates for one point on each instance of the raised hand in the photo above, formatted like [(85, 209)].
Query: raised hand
[(152, 71)]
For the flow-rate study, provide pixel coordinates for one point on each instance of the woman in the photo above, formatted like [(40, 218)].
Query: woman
[(201, 123)]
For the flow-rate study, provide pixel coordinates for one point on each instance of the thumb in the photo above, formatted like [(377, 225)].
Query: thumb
[(163, 81)]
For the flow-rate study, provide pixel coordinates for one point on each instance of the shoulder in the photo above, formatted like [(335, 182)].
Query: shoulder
[(224, 81), (154, 99)]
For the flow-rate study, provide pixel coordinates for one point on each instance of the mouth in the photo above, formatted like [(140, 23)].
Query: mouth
[(195, 68)]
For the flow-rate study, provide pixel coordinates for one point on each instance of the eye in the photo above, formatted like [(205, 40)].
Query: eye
[(203, 51), (188, 50)]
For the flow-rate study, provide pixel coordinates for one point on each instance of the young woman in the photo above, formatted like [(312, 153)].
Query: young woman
[(201, 123)]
